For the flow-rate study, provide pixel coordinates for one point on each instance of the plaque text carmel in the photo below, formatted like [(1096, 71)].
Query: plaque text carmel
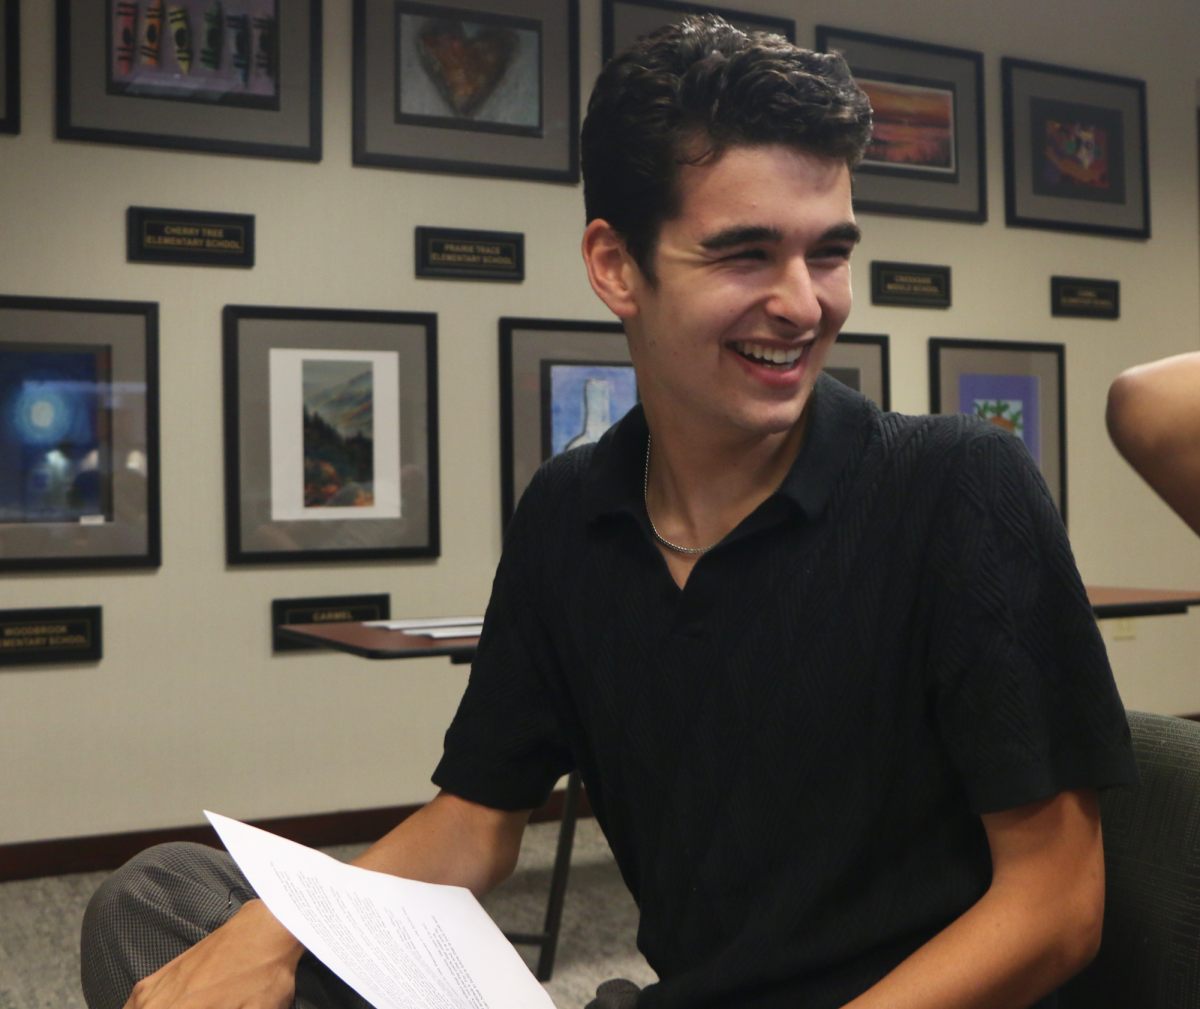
[(323, 610), (1086, 299), (910, 284), (470, 255), (192, 237), (35, 637)]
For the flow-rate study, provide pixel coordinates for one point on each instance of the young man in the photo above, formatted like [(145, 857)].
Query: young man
[(830, 675)]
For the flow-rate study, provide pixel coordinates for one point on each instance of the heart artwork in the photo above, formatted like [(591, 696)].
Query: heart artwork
[(465, 69)]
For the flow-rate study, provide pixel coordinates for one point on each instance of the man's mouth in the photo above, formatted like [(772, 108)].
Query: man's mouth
[(779, 358)]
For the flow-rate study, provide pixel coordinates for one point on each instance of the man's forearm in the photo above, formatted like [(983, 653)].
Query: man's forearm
[(1036, 927)]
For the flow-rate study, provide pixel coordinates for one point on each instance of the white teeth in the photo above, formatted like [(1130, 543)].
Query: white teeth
[(776, 355)]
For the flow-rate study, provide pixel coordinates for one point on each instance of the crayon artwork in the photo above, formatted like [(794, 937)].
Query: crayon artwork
[(126, 35), (219, 52), (181, 36), (151, 40)]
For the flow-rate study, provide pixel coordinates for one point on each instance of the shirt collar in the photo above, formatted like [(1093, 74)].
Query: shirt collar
[(614, 479)]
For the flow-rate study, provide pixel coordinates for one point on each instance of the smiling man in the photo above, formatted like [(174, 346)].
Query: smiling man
[(830, 675)]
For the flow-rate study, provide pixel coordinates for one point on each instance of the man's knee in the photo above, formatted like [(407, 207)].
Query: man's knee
[(161, 902)]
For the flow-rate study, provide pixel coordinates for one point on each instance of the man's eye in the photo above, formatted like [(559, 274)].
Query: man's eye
[(748, 254), (833, 252)]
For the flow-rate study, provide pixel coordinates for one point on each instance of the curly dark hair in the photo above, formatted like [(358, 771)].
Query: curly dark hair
[(688, 92)]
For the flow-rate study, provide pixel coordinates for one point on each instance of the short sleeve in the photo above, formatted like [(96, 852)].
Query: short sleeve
[(505, 748), (1025, 699)]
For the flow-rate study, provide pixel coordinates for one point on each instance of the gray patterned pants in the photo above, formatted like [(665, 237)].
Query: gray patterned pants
[(164, 901)]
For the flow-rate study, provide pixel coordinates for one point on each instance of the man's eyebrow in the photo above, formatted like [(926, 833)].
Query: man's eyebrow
[(848, 232), (741, 236)]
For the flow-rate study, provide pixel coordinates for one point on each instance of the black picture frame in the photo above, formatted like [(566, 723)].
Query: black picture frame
[(273, 511), (10, 67), (953, 185), (92, 393), (92, 105), (1001, 368), (1044, 187), (863, 362), (488, 130), (524, 345), (622, 22)]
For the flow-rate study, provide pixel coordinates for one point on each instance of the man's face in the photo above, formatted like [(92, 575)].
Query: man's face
[(753, 285)]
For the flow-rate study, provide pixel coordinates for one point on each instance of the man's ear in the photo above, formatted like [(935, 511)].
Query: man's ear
[(614, 275)]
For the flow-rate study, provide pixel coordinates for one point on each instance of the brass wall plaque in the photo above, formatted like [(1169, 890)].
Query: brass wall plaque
[(458, 254), (1085, 299), (190, 237), (913, 285), (321, 610), (37, 637)]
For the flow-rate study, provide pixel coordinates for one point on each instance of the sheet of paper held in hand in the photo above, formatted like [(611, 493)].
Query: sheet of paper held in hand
[(399, 943)]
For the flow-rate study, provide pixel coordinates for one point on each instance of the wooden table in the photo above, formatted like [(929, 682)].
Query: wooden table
[(1109, 603), (381, 643)]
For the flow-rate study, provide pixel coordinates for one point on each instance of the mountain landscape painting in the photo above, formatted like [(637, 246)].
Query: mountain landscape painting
[(339, 434)]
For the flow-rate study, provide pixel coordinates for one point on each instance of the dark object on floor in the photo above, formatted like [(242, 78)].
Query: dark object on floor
[(1150, 954), (615, 994)]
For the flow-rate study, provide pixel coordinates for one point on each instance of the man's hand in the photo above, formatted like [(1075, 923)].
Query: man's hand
[(248, 963), (1036, 927)]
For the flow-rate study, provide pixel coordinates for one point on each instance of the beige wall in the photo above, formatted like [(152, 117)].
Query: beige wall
[(189, 709)]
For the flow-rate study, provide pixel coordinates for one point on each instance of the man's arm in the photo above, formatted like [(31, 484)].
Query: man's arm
[(1037, 926), (250, 961), (1154, 420)]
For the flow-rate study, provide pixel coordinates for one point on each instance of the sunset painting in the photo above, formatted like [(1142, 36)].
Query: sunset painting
[(914, 126)]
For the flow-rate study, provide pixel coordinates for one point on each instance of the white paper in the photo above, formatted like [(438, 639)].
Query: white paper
[(399, 943), (286, 386), (420, 623), (467, 631)]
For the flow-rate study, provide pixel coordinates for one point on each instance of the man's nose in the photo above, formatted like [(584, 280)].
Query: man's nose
[(794, 298)]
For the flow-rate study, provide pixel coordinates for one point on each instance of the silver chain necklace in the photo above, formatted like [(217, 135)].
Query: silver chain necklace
[(692, 551)]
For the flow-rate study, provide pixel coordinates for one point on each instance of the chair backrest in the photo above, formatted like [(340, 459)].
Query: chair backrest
[(1150, 953)]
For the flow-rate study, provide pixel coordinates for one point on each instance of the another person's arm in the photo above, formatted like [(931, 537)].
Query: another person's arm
[(250, 961), (1154, 420), (1037, 926)]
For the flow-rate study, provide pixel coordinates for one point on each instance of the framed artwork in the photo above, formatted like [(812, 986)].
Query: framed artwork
[(229, 76), (490, 89), (10, 66), (623, 22), (861, 361), (562, 385), (331, 450), (1019, 387), (1075, 150), (79, 474), (927, 154)]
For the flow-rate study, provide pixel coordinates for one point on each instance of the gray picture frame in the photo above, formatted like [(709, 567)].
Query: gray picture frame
[(10, 66), (125, 531), (623, 22), (863, 362), (524, 345), (957, 196), (1120, 208), (86, 107), (384, 136), (254, 535)]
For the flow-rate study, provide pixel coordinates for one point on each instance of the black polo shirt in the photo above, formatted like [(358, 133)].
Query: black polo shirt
[(789, 757)]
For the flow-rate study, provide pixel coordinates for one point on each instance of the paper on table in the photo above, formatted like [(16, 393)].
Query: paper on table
[(466, 631), (419, 622), (399, 943)]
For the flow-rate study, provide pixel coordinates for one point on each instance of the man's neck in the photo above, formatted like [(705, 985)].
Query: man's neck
[(702, 483)]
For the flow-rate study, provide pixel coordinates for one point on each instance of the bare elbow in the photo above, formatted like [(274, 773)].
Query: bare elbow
[(1125, 397), (1082, 929)]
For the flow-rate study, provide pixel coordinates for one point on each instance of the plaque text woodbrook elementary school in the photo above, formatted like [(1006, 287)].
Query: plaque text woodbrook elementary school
[(190, 237), (913, 285), (457, 254), (37, 637)]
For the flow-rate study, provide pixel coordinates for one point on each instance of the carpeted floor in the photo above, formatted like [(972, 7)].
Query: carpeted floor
[(39, 924)]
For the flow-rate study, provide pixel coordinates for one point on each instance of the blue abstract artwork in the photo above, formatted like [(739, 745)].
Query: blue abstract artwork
[(1008, 401), (54, 432), (582, 400)]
